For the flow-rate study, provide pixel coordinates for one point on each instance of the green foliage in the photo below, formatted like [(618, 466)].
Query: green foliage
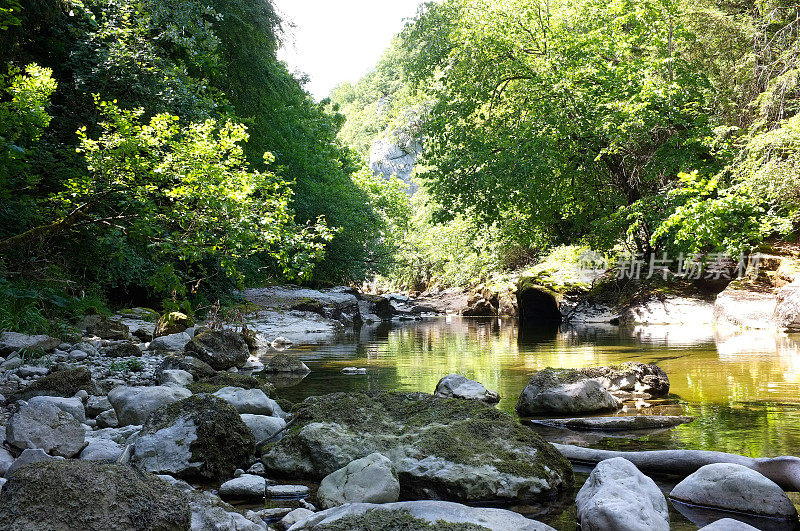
[(128, 365)]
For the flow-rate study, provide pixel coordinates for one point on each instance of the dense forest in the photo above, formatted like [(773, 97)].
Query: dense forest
[(159, 153)]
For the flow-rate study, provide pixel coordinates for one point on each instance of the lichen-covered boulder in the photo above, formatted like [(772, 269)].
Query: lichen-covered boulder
[(461, 450), (371, 479), (109, 329), (60, 383), (457, 386), (618, 496), (221, 349), (73, 406), (631, 376), (200, 437), (134, 404), (417, 516), (71, 494), (734, 487), (44, 425), (564, 391)]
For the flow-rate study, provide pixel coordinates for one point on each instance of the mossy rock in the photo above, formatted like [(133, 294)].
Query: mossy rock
[(122, 350), (60, 383), (231, 379), (472, 452), (198, 369), (75, 494), (222, 349), (223, 441), (376, 520), (106, 328)]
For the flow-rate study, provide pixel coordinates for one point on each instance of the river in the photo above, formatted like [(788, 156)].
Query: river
[(743, 387)]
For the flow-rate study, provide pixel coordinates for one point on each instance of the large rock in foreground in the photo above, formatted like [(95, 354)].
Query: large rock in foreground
[(200, 437), (734, 487), (221, 349), (564, 391), (450, 449), (417, 516), (70, 494), (618, 496)]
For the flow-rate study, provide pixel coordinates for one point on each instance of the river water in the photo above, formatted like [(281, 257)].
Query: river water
[(744, 388)]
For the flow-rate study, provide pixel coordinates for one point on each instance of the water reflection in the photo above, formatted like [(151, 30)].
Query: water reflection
[(744, 388)]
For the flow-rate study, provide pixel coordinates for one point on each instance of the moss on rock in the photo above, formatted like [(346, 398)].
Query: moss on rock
[(378, 520), (223, 441), (76, 494), (60, 383), (221, 349), (231, 379)]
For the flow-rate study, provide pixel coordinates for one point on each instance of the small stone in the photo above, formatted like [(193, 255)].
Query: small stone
[(728, 524), (371, 479), (102, 451), (257, 469), (82, 394), (457, 386), (354, 370), (244, 487), (175, 377), (10, 364), (107, 419), (287, 491), (238, 472), (78, 355), (6, 460), (96, 405)]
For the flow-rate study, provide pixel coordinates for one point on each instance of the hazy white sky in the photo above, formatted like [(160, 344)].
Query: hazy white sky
[(339, 40)]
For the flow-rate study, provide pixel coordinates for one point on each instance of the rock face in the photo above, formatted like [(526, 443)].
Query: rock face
[(787, 311), (564, 391), (417, 515), (13, 341), (618, 496), (441, 448), (60, 383), (221, 349), (252, 401), (198, 437), (286, 363), (457, 386), (631, 376), (735, 488), (396, 157), (45, 426), (371, 479), (537, 305), (72, 494), (134, 404)]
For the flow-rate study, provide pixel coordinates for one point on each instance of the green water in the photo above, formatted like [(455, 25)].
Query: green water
[(744, 388)]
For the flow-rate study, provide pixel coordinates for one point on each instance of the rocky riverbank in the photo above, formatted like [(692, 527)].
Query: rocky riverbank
[(162, 423)]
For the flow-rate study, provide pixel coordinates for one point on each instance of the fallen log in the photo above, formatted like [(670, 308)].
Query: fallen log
[(784, 470)]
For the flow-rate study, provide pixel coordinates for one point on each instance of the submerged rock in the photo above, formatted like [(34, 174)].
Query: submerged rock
[(74, 494), (221, 349), (734, 487), (371, 479), (417, 516), (199, 437), (457, 386), (441, 448), (618, 496), (631, 423), (564, 391)]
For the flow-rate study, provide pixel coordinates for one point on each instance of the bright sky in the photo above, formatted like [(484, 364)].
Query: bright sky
[(339, 40)]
